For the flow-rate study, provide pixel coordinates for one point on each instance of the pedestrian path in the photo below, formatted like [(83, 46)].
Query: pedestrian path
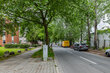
[(25, 64)]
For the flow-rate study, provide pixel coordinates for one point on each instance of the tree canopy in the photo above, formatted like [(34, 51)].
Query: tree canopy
[(59, 19)]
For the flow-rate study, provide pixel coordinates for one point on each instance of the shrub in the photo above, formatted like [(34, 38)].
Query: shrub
[(11, 46), (34, 45), (24, 45), (0, 46), (17, 46), (106, 48)]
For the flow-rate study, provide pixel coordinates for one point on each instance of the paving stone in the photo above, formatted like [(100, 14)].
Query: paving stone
[(25, 64)]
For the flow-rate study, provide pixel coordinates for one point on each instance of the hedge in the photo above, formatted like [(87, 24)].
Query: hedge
[(24, 45), (34, 45), (17, 46)]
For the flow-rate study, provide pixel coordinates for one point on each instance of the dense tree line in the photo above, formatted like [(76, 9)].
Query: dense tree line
[(58, 19)]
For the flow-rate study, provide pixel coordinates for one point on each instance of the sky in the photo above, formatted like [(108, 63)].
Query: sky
[(102, 25)]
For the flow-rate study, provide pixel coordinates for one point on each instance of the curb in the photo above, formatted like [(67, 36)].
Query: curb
[(58, 68)]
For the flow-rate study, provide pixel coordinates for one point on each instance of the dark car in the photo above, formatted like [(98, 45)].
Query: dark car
[(80, 47)]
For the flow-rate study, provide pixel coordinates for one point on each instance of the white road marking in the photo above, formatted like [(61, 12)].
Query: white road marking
[(88, 60)]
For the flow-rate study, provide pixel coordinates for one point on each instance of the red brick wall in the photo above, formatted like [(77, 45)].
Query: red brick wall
[(9, 39), (16, 37), (1, 41)]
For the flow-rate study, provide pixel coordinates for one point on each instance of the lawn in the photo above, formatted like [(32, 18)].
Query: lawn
[(2, 50)]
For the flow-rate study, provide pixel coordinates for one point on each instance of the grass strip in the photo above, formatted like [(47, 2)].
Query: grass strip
[(39, 54)]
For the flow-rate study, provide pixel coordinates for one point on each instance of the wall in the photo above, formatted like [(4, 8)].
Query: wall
[(103, 40), (8, 39), (16, 37)]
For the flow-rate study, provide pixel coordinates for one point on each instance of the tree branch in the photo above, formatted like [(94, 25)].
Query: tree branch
[(30, 20), (46, 13), (50, 20), (42, 14)]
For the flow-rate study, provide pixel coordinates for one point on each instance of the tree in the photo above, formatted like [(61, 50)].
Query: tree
[(38, 11), (73, 14), (7, 26), (32, 33), (100, 11)]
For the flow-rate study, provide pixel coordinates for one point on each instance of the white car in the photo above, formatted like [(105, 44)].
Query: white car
[(107, 52)]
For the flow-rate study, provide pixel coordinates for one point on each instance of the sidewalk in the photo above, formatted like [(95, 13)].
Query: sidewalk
[(97, 52), (25, 64)]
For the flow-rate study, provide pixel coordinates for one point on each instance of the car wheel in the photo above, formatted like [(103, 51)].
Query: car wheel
[(107, 54)]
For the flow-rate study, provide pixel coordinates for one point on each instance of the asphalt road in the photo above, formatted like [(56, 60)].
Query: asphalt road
[(71, 61)]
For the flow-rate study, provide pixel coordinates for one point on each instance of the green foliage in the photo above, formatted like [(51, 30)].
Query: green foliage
[(51, 53), (64, 18), (17, 46), (38, 12), (34, 45), (24, 45), (39, 54), (103, 31), (6, 25), (32, 33), (106, 48), (43, 12), (12, 45)]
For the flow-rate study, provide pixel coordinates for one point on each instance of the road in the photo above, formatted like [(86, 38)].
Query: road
[(71, 61)]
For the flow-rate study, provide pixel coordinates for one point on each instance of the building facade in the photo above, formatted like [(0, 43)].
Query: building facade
[(9, 39), (103, 40)]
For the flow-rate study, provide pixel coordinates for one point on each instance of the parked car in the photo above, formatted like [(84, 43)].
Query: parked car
[(107, 52), (80, 47)]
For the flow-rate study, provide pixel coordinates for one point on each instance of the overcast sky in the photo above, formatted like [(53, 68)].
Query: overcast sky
[(102, 25)]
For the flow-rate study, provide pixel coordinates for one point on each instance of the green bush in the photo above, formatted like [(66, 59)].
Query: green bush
[(17, 46), (24, 45), (0, 46), (106, 48), (11, 46), (34, 45)]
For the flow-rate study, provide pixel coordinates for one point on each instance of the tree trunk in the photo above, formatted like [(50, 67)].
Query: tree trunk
[(95, 27), (104, 44), (46, 35), (89, 35), (73, 41), (95, 35), (81, 35)]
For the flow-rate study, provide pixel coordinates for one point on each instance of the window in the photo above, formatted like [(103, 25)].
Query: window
[(3, 41)]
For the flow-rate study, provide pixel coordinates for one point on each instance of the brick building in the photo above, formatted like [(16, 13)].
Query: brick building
[(8, 38)]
